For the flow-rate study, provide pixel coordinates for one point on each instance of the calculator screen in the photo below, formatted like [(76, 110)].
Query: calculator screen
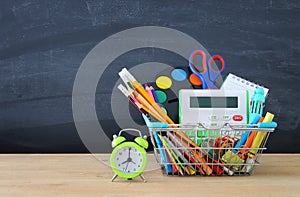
[(213, 102)]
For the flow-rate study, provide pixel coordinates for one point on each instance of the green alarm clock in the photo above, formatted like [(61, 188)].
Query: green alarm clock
[(129, 159)]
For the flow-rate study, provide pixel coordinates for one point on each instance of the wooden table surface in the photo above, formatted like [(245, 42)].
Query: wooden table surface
[(83, 175)]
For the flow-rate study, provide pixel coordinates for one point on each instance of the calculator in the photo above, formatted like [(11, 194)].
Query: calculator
[(213, 109)]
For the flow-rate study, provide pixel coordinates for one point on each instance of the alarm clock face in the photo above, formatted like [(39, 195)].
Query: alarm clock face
[(128, 160)]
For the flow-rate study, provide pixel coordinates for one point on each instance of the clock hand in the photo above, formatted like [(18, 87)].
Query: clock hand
[(129, 152), (133, 162), (126, 166), (125, 161)]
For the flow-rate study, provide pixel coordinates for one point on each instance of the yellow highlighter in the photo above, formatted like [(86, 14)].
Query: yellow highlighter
[(260, 135), (256, 144)]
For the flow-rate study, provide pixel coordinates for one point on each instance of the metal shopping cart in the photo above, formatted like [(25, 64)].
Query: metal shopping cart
[(194, 149)]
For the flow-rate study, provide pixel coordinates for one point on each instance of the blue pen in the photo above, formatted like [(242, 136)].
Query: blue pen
[(162, 153), (165, 160)]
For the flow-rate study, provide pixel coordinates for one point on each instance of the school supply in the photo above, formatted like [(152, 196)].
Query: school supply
[(129, 79), (179, 150), (132, 99), (213, 109), (259, 137), (166, 143), (176, 168), (148, 90), (208, 73), (154, 94), (167, 166), (216, 117), (177, 155), (148, 106), (195, 154), (136, 101), (257, 104), (233, 82), (163, 82), (207, 147)]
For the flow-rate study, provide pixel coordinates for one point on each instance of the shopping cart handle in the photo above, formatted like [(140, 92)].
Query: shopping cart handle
[(154, 124), (267, 125)]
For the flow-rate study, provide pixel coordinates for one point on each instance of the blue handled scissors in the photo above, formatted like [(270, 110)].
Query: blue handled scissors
[(208, 74)]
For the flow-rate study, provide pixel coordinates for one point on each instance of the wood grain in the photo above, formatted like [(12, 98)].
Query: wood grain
[(83, 175)]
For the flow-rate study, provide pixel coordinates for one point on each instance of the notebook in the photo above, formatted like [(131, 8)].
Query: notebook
[(233, 82)]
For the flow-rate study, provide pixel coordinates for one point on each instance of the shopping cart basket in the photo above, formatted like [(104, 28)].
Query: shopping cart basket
[(194, 149)]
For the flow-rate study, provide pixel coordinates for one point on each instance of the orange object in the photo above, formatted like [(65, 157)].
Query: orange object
[(195, 80), (176, 168), (147, 107), (182, 135), (139, 88), (196, 155), (249, 142)]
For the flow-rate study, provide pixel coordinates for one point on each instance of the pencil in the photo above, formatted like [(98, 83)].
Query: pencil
[(139, 88), (148, 90), (196, 155), (154, 94), (170, 155), (148, 107)]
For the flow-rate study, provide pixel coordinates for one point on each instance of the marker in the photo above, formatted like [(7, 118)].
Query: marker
[(245, 135), (260, 135), (248, 142), (256, 143)]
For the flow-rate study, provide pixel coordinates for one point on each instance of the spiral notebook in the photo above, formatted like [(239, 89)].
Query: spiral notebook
[(233, 82)]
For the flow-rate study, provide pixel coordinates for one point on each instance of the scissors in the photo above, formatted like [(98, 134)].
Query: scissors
[(209, 73)]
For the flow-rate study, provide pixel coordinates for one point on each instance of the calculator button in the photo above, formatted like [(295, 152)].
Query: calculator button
[(214, 124), (226, 117), (213, 117), (237, 117)]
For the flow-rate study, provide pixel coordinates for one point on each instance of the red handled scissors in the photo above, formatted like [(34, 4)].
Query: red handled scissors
[(209, 72)]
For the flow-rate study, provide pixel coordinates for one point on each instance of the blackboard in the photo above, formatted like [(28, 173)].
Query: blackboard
[(43, 43)]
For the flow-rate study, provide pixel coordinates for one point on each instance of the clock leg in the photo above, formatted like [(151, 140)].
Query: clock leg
[(114, 177), (143, 178)]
